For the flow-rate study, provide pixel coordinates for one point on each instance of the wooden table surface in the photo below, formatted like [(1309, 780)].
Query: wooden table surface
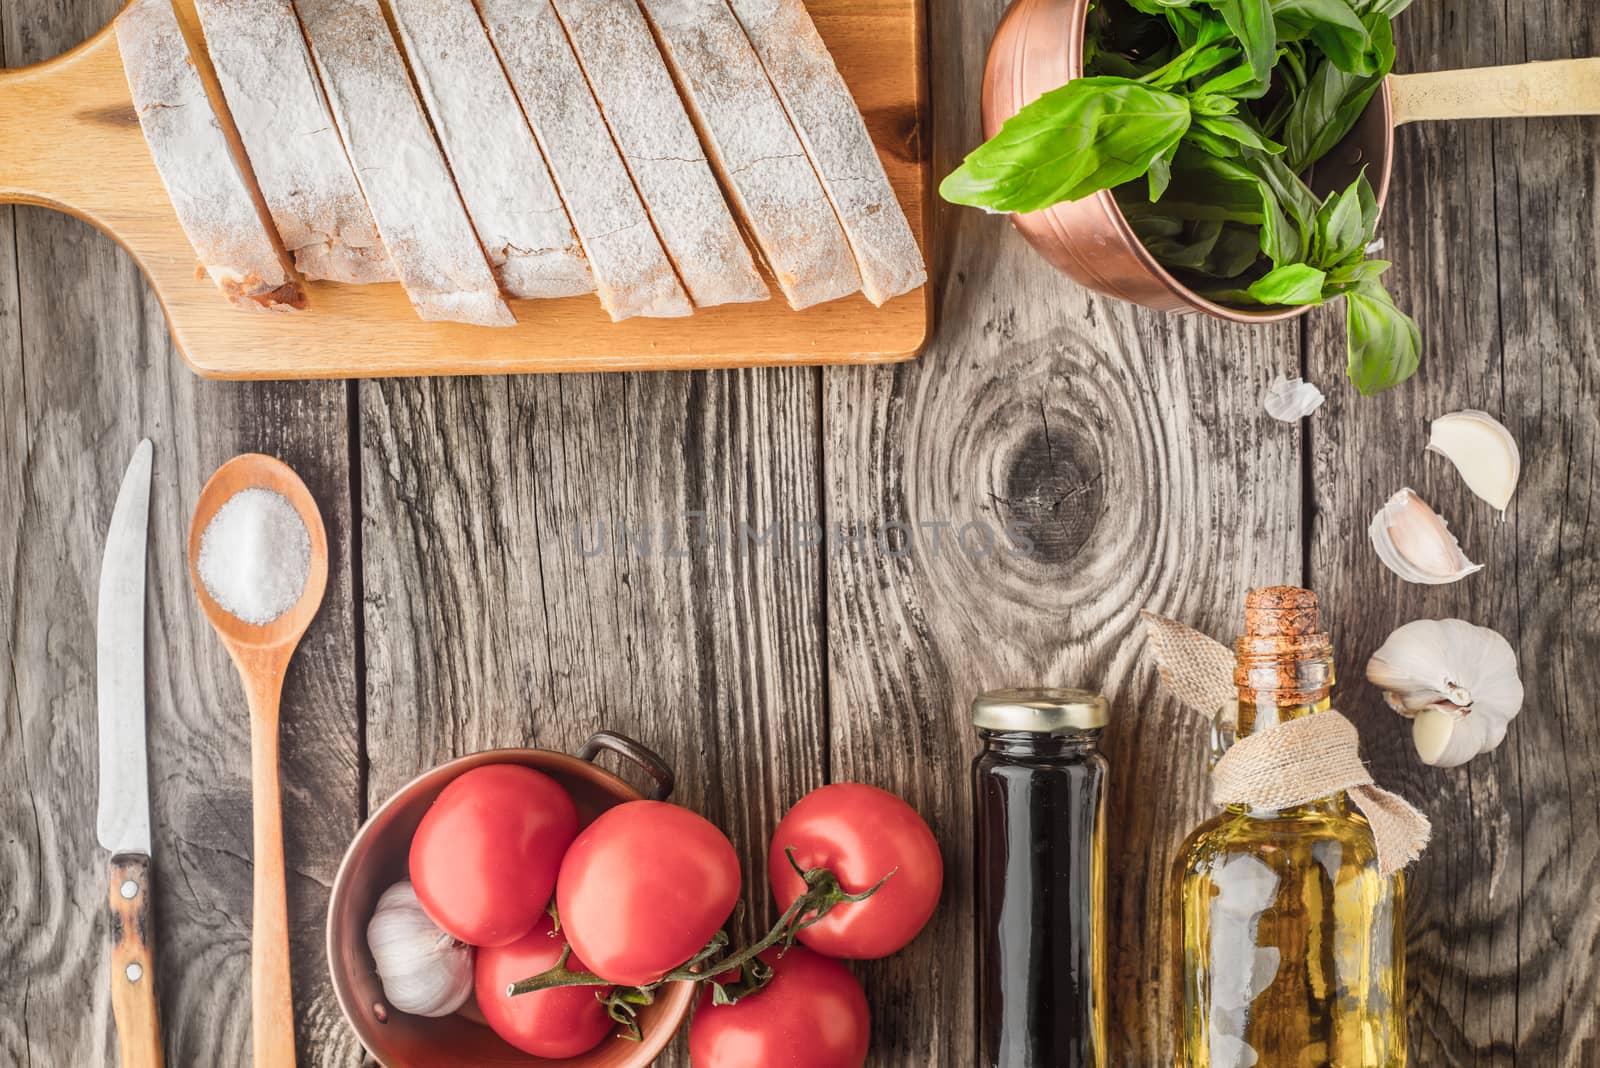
[(469, 607)]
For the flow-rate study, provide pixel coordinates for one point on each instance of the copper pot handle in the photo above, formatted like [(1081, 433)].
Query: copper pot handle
[(1528, 90), (639, 754)]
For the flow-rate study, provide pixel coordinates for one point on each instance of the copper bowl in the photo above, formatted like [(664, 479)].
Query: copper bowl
[(377, 860), (1039, 47)]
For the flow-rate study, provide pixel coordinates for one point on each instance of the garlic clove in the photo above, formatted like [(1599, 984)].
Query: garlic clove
[(1482, 450), (1416, 544), (424, 971), (1290, 400), (1458, 681), (1432, 732)]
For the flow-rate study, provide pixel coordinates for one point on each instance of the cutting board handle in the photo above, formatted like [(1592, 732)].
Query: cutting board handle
[(1527, 90), (49, 113)]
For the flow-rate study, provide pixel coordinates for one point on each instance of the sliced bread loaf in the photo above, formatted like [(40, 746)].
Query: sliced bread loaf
[(272, 89), (496, 162), (835, 135), (210, 194), (762, 162), (631, 270), (401, 170), (663, 153)]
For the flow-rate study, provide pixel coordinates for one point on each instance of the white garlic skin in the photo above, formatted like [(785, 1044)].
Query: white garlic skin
[(1458, 681), (1482, 450), (424, 971), (1415, 543), (1290, 400)]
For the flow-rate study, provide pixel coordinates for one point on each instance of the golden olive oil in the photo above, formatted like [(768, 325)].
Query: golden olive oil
[(1293, 943)]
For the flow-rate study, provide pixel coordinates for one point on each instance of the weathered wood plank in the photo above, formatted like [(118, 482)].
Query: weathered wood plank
[(88, 370), (496, 616), (1130, 450), (1493, 227)]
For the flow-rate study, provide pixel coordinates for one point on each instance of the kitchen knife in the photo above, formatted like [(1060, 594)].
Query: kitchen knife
[(123, 823)]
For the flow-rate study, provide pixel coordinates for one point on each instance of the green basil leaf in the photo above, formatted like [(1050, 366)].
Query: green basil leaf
[(1180, 245), (1293, 283), (1207, 186), (1159, 177), (1334, 100), (1195, 62), (1353, 275), (1214, 144), (1251, 22), (1296, 199), (1237, 130), (1369, 208), (1385, 344), (1341, 232), (1188, 24), (1236, 81), (1213, 104), (1237, 249), (1333, 26), (1089, 135)]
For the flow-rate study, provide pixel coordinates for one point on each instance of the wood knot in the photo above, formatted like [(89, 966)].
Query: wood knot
[(1053, 491)]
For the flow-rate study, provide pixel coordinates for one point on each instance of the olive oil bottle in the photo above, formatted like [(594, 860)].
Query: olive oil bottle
[(1292, 941)]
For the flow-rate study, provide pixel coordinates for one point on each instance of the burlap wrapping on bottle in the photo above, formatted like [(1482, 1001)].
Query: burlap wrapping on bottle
[(1291, 764)]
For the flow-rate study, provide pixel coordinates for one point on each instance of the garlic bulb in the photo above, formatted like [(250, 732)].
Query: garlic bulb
[(1416, 543), (424, 971), (1290, 399), (1483, 451), (1458, 682)]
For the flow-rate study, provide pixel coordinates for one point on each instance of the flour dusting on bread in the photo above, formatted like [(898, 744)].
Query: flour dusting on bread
[(663, 153), (407, 184), (835, 135), (276, 99), (496, 161), (762, 162), (212, 199), (631, 271)]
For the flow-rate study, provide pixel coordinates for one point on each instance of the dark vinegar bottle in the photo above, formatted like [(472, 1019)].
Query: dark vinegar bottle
[(1038, 792)]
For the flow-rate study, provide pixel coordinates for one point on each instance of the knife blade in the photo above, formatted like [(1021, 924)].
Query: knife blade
[(122, 823)]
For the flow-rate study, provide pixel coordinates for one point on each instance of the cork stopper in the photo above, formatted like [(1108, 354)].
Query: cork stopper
[(1283, 658), (1280, 610)]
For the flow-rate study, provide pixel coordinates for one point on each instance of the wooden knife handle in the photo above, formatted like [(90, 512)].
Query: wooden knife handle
[(133, 973)]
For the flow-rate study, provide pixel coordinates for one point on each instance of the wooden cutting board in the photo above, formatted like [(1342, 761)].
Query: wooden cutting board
[(71, 141)]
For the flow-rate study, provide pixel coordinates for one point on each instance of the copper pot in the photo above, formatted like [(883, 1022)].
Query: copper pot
[(1039, 47), (377, 859)]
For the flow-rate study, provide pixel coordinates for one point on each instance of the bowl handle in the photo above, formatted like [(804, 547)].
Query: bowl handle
[(641, 755)]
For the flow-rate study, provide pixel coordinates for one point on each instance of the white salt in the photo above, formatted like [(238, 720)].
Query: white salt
[(255, 556)]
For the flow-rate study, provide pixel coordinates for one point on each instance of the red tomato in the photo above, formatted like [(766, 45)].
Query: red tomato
[(485, 857), (861, 834), (644, 888), (556, 1023), (811, 1015)]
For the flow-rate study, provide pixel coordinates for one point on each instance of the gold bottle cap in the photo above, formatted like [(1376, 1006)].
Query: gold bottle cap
[(1040, 710)]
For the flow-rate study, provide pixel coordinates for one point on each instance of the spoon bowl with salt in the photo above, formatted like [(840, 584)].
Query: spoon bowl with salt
[(258, 559)]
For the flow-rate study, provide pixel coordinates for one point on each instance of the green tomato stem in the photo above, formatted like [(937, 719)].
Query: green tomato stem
[(823, 894)]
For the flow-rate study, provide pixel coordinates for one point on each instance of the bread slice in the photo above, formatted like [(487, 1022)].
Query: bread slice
[(762, 162), (272, 89), (401, 170), (835, 135), (497, 164), (209, 192), (662, 151), (631, 270)]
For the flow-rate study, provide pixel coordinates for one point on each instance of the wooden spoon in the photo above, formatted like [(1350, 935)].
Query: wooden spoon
[(262, 656)]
